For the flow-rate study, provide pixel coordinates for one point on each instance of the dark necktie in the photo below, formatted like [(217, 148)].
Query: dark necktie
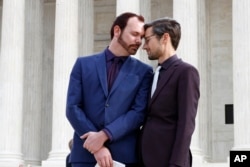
[(113, 71)]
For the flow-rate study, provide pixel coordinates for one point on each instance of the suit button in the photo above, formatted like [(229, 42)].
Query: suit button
[(107, 105)]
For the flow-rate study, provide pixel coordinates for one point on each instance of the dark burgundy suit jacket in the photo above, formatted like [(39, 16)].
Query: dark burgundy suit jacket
[(166, 134)]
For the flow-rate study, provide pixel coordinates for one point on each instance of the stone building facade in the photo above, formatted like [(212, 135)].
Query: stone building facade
[(40, 40)]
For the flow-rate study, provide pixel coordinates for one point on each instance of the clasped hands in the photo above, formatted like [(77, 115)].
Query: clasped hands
[(94, 143)]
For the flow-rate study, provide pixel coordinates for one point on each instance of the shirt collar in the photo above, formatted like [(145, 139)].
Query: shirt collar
[(110, 56), (168, 62)]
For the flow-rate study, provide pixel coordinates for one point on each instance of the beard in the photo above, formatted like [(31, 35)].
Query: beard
[(131, 49), (154, 55)]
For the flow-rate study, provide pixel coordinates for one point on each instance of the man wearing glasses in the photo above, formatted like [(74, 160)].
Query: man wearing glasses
[(166, 134)]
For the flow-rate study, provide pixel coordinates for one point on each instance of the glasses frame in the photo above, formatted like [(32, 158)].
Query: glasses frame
[(147, 39)]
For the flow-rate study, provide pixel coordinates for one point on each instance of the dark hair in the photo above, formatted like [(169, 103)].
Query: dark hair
[(166, 25), (122, 20)]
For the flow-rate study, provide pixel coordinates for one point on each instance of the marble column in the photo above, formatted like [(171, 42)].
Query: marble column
[(86, 27), (11, 82), (241, 74), (185, 12), (65, 54), (32, 82), (205, 114), (47, 77)]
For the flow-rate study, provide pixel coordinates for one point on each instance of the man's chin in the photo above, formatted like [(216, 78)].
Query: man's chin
[(133, 52), (152, 58)]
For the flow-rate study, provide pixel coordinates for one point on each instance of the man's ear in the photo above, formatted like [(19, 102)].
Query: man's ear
[(166, 37), (117, 31)]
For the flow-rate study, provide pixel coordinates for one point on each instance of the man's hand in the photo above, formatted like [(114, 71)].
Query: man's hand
[(94, 140), (103, 157)]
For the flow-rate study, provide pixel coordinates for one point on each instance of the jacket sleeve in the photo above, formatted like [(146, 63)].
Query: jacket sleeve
[(188, 96), (74, 104)]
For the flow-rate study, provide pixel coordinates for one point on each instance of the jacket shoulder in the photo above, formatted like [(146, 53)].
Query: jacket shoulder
[(89, 57), (185, 65), (140, 63)]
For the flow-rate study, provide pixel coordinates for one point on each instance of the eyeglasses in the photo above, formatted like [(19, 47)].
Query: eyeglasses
[(147, 39)]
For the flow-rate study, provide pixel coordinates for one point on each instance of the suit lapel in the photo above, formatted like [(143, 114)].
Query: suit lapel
[(166, 75), (100, 63)]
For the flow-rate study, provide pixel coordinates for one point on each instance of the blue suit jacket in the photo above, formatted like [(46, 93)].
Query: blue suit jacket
[(90, 107)]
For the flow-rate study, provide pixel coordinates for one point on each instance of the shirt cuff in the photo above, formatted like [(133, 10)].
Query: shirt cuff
[(106, 131)]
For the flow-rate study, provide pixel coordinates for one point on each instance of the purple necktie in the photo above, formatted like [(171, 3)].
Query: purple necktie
[(113, 71)]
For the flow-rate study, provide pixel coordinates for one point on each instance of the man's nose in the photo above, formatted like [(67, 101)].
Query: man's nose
[(138, 40)]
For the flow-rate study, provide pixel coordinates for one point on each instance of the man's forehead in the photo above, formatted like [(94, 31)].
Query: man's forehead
[(134, 21), (148, 30), (135, 25)]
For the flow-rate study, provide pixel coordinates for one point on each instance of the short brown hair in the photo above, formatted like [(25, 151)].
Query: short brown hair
[(166, 25), (122, 21)]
